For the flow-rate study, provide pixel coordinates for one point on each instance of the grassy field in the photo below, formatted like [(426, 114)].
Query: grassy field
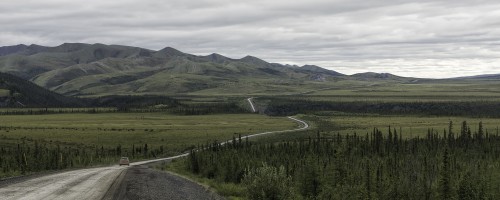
[(110, 129), (428, 90), (27, 111), (4, 92), (410, 126), (364, 90)]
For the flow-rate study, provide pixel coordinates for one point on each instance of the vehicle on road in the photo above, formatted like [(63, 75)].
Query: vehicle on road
[(124, 161)]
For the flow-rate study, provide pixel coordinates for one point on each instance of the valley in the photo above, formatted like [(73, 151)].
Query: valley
[(78, 108)]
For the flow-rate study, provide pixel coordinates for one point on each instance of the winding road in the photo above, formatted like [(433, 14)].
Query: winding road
[(251, 104), (91, 183)]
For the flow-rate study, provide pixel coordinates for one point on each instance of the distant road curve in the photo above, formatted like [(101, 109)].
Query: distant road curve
[(91, 183), (251, 104), (303, 126)]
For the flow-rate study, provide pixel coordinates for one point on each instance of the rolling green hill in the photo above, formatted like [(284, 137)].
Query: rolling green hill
[(92, 70), (98, 69), (17, 92)]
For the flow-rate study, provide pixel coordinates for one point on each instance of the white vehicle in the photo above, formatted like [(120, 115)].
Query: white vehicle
[(124, 161)]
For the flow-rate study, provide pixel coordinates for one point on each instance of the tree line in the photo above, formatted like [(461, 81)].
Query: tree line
[(286, 106), (208, 108), (30, 156)]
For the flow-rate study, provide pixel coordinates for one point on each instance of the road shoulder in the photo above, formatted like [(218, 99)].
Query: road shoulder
[(146, 182)]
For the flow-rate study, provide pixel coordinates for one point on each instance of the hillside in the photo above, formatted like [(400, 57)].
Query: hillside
[(17, 92), (98, 69), (373, 75), (483, 76)]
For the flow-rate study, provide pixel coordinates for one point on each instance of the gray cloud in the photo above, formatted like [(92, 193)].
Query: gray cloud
[(413, 38)]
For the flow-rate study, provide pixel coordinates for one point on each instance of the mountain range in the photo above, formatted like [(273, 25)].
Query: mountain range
[(79, 69)]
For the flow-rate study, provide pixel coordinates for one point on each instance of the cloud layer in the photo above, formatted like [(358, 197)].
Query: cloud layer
[(412, 38)]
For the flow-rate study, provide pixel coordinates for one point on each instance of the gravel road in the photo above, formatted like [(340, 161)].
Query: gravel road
[(90, 183), (134, 182), (251, 104)]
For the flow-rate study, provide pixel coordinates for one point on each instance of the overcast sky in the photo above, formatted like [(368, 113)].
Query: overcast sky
[(410, 38)]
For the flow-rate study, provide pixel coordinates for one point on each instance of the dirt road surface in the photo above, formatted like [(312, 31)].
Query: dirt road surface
[(251, 104), (90, 183), (145, 182)]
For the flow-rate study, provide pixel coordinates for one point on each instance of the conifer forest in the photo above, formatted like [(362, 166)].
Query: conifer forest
[(453, 164)]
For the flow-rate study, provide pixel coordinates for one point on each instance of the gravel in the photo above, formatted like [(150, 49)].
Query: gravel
[(145, 182)]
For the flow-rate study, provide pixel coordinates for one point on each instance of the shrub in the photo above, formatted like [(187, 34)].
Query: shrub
[(268, 182)]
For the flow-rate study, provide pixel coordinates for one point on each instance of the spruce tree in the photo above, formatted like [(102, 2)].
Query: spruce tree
[(445, 189)]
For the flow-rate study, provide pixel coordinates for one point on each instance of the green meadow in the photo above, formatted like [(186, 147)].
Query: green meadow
[(175, 132), (410, 126), (421, 91)]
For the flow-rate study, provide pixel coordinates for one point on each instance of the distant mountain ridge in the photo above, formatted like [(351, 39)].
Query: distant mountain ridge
[(94, 69), (482, 76), (99, 69), (373, 75), (12, 49)]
